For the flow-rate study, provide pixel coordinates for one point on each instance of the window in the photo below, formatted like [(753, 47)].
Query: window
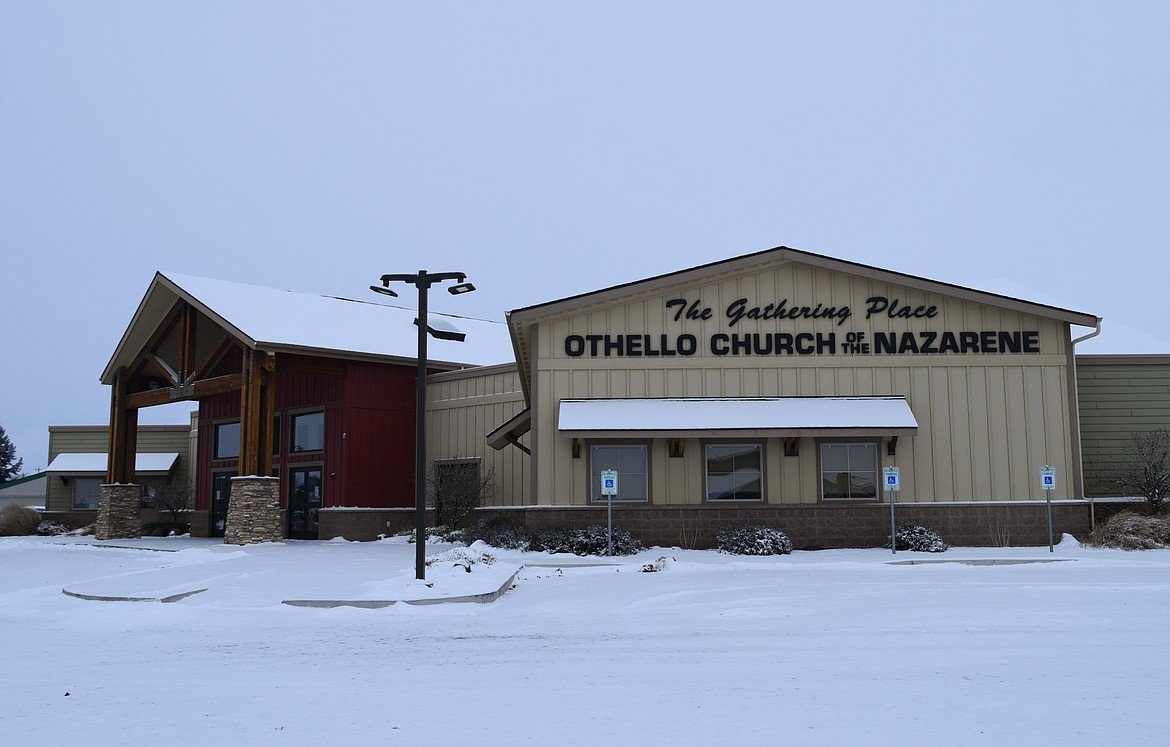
[(149, 496), (86, 491), (735, 472), (227, 440), (849, 471), (307, 432), (630, 462)]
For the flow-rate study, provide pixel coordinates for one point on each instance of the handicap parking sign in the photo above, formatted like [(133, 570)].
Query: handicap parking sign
[(1047, 478), (890, 474), (609, 480)]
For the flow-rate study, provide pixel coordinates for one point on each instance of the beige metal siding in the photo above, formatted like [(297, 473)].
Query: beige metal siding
[(462, 408), (987, 421)]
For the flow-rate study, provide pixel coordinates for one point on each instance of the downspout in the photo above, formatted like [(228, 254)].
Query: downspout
[(1089, 336), (1077, 399)]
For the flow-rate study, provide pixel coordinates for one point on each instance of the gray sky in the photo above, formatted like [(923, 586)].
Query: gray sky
[(549, 149)]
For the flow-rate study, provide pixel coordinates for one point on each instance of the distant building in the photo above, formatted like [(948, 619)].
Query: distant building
[(23, 491)]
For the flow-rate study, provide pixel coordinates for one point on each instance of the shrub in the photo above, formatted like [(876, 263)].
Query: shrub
[(499, 531), (17, 521), (752, 540), (1131, 531), (439, 533), (591, 540), (50, 528), (917, 538)]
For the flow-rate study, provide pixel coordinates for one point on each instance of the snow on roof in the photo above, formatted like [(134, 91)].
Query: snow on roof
[(873, 414), (270, 318), (144, 463)]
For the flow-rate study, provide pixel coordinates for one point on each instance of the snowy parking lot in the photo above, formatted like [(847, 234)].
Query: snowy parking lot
[(829, 647)]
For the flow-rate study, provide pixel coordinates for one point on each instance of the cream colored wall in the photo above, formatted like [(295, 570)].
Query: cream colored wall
[(462, 408), (987, 422)]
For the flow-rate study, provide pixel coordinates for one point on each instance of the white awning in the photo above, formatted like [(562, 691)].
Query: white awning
[(158, 463), (737, 416)]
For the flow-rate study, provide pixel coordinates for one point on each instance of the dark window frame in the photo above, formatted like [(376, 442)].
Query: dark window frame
[(875, 443), (760, 445), (597, 497), (292, 431), (96, 495), (217, 430)]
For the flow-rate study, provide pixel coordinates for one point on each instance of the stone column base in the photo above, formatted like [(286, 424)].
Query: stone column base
[(253, 513), (118, 507)]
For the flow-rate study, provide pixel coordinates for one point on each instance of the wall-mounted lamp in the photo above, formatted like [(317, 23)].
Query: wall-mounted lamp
[(791, 447), (576, 449), (676, 447)]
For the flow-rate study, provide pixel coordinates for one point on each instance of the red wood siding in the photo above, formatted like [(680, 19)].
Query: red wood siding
[(369, 429)]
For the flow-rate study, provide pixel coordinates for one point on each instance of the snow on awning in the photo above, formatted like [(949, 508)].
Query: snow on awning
[(738, 416), (158, 463)]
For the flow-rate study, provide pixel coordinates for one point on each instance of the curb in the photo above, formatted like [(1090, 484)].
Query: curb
[(164, 600), (484, 598)]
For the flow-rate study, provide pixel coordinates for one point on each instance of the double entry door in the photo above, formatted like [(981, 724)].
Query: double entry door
[(304, 501)]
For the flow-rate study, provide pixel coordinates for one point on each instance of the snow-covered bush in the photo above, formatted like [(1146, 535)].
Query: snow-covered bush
[(1131, 531), (752, 539), (17, 521), (440, 533), (499, 531), (50, 528), (591, 540), (466, 557), (917, 538)]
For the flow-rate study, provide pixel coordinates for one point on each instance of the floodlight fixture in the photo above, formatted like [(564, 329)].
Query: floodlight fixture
[(384, 291)]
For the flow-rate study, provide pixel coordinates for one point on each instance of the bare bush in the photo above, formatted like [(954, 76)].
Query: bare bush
[(457, 488), (18, 521), (1131, 531), (1148, 472), (177, 499)]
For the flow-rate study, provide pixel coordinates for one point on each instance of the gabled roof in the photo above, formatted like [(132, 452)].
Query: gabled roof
[(286, 321), (520, 319)]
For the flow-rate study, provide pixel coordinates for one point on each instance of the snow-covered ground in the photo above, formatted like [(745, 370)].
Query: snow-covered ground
[(815, 648)]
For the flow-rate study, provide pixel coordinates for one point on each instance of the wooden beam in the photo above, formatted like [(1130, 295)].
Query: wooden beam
[(187, 340), (200, 389), (123, 436), (257, 399), (214, 357)]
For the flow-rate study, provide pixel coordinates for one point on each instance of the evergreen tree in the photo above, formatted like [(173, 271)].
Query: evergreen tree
[(9, 464)]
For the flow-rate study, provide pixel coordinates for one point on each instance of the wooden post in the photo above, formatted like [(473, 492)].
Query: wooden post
[(123, 437), (257, 401)]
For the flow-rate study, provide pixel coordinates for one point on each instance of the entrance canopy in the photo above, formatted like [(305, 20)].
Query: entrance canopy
[(737, 416)]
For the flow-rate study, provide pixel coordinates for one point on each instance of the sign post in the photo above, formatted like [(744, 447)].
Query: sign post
[(1048, 484), (890, 478), (609, 488)]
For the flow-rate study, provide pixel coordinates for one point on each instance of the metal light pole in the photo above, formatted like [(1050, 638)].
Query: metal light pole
[(423, 280)]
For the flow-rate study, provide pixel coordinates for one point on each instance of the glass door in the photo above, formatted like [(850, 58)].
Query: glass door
[(304, 501), (221, 487)]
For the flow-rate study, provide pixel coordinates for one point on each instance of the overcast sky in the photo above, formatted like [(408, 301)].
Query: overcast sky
[(552, 148)]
